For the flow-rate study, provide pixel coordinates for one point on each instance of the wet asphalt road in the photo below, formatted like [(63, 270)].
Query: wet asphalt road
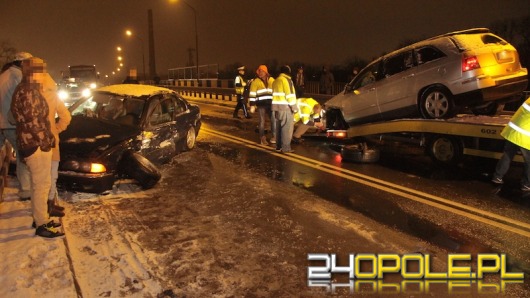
[(466, 215)]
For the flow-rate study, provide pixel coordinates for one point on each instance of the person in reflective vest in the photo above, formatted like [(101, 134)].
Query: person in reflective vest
[(240, 84), (517, 135), (308, 116), (260, 97), (284, 107)]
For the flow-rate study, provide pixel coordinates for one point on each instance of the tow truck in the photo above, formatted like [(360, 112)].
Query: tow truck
[(446, 140)]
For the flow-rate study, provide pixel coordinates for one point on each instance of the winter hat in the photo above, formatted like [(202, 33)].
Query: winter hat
[(22, 56), (286, 69), (241, 68), (264, 68)]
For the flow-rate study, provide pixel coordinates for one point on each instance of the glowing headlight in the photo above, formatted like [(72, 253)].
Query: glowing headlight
[(63, 95), (86, 93), (85, 167), (93, 86)]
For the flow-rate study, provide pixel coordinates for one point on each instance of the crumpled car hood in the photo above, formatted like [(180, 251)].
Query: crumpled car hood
[(89, 137)]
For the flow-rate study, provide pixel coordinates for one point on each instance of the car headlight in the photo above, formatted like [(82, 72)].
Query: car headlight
[(86, 93), (63, 95), (82, 166), (93, 86)]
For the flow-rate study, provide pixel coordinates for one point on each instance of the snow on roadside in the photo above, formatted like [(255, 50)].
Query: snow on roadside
[(94, 259)]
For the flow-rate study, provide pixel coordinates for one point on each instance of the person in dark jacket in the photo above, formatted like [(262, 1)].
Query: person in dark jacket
[(35, 141)]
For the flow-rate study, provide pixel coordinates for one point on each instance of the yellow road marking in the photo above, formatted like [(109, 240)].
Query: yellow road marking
[(479, 215)]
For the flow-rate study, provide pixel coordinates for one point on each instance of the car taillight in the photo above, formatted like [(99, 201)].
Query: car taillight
[(470, 63)]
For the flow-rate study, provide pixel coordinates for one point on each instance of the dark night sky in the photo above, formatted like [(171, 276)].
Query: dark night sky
[(65, 32)]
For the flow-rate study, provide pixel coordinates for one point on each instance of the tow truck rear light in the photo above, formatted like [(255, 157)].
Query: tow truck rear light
[(339, 134), (470, 63)]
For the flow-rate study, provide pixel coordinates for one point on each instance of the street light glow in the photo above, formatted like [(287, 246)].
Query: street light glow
[(129, 33)]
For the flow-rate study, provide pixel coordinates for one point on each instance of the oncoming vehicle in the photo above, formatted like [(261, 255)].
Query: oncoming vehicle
[(82, 79), (433, 79), (123, 131)]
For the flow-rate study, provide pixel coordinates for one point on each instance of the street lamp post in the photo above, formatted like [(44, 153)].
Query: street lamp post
[(196, 38), (129, 33)]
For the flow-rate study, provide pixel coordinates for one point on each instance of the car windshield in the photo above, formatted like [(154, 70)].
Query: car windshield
[(110, 107)]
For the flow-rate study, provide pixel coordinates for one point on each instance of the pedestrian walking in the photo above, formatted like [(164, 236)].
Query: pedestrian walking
[(9, 80), (284, 106), (308, 116), (240, 85), (260, 97), (517, 135), (35, 141)]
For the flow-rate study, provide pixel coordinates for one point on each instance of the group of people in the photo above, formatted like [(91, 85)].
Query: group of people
[(281, 101), (31, 118)]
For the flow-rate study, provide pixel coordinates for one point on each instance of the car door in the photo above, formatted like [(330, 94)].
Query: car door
[(396, 94), (159, 137), (358, 102)]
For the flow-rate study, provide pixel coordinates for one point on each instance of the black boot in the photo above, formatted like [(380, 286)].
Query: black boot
[(52, 211)]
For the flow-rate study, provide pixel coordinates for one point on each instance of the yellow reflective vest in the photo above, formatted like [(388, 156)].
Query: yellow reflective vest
[(259, 94), (240, 84), (283, 94), (518, 130), (305, 110)]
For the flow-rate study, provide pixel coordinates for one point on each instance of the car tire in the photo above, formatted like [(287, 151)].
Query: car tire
[(360, 153), (141, 169), (437, 103), (445, 150), (189, 141)]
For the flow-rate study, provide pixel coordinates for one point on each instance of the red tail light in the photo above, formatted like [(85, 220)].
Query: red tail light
[(470, 63)]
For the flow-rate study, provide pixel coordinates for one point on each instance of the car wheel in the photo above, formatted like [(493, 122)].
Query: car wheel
[(436, 103), (141, 169), (360, 153), (189, 142), (445, 150)]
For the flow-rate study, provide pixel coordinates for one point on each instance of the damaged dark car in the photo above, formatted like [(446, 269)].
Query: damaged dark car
[(125, 131)]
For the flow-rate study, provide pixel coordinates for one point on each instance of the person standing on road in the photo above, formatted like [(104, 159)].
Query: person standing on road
[(517, 135), (326, 81), (260, 96), (300, 82), (240, 84), (56, 108), (308, 116), (9, 80), (35, 141), (284, 106)]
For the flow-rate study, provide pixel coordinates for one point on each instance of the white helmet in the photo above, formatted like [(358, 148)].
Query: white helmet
[(22, 56)]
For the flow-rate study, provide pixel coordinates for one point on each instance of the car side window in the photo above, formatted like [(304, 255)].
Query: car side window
[(162, 112), (180, 106), (427, 54), (367, 76), (398, 63)]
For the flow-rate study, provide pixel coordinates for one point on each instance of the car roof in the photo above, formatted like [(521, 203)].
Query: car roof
[(134, 90)]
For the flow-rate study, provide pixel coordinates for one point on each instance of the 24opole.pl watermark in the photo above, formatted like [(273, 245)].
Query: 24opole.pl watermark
[(365, 273)]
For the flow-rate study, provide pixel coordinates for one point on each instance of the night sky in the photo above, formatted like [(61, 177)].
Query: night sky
[(66, 32)]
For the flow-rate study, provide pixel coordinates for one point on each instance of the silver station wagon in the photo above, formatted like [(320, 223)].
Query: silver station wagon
[(433, 79)]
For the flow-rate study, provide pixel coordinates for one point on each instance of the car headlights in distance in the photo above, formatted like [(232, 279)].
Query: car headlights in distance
[(86, 92), (85, 167), (63, 95)]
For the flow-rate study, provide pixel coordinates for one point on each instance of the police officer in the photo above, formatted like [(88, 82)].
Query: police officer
[(240, 85)]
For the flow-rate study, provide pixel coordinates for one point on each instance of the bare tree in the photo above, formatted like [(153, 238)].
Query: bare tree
[(7, 52)]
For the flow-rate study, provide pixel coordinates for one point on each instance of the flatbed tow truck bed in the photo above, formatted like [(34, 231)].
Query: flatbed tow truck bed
[(445, 140)]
